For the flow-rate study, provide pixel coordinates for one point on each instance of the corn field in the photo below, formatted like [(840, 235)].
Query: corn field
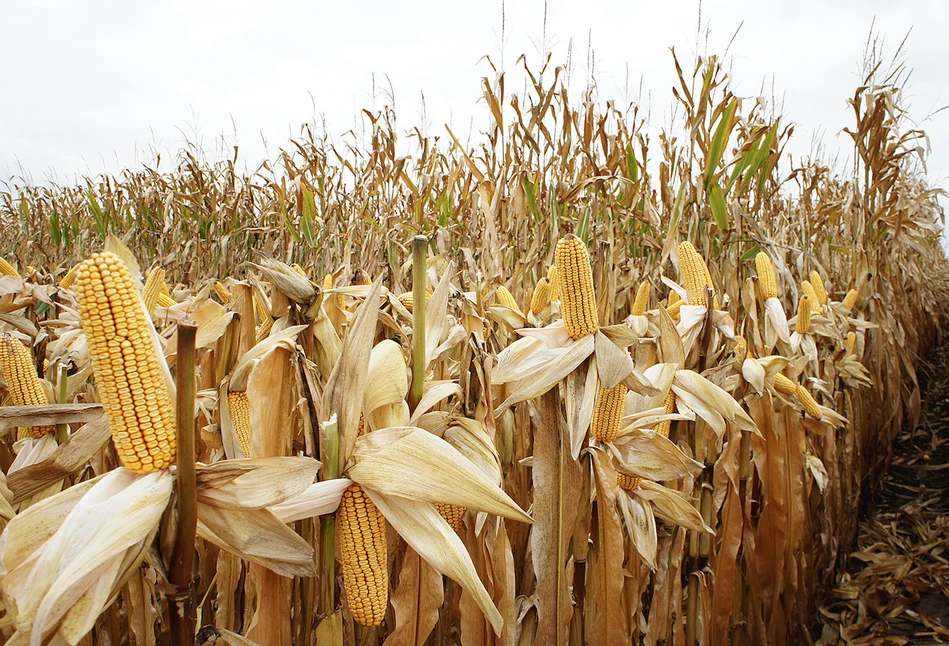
[(565, 384)]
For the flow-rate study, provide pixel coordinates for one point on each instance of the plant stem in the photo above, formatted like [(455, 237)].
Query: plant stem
[(419, 262), (328, 522), (182, 561)]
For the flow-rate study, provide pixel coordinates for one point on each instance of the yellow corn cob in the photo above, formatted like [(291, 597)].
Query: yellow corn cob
[(240, 417), (127, 369), (608, 412), (627, 483), (740, 349), (641, 304), (804, 315), (263, 331), (223, 293), (577, 298), (808, 402), (407, 298), (541, 297), (693, 274), (165, 300), (554, 283), (260, 305), (818, 284), (362, 545), (152, 290), (766, 278), (674, 308), (297, 268), (506, 298), (6, 269), (454, 514), (24, 385), (69, 278), (808, 290), (851, 342), (851, 299), (662, 428), (328, 285), (784, 385)]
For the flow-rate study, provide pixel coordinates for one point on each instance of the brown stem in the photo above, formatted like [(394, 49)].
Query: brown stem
[(182, 560)]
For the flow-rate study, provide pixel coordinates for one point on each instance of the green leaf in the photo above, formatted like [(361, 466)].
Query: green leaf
[(719, 140), (308, 216), (531, 198), (716, 200), (749, 255), (632, 168)]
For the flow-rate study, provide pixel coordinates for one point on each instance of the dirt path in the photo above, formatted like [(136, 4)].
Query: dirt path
[(896, 587)]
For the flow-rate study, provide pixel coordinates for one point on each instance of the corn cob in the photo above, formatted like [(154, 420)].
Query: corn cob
[(641, 304), (673, 309), (360, 278), (818, 284), (804, 315), (240, 417), (784, 385), (407, 298), (328, 285), (577, 298), (662, 428), (362, 545), (808, 290), (69, 278), (297, 268), (453, 514), (22, 382), (164, 300), (627, 483), (851, 341), (608, 412), (152, 290), (260, 305), (766, 278), (541, 297), (223, 293), (851, 299), (504, 297), (808, 402), (740, 349), (694, 274), (128, 373), (6, 269), (263, 331), (554, 282)]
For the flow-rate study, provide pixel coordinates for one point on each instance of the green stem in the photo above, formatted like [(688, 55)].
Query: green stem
[(419, 262), (62, 430), (182, 562)]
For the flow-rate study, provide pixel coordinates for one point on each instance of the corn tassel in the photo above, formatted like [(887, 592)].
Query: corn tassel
[(608, 412), (804, 315), (541, 297), (127, 369), (24, 385), (239, 404), (577, 297), (766, 277), (6, 269), (641, 304), (361, 531)]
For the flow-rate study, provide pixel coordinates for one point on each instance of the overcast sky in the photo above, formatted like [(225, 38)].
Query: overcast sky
[(95, 86)]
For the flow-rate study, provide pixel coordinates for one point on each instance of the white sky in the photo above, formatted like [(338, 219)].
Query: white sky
[(92, 87)]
